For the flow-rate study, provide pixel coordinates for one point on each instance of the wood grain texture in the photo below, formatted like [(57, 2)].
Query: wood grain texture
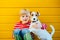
[(43, 11), (30, 3), (9, 15), (13, 19)]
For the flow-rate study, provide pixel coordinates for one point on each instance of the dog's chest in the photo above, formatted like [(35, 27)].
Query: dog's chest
[(37, 24)]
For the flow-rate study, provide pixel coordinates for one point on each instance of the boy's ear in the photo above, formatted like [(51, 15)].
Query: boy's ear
[(30, 12), (38, 13)]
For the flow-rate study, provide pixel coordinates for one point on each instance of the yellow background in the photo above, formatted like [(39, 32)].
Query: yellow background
[(9, 15)]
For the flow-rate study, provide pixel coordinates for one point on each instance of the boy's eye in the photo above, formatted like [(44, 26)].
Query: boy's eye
[(22, 16), (26, 16)]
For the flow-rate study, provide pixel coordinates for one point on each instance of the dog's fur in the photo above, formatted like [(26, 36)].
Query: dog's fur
[(42, 34)]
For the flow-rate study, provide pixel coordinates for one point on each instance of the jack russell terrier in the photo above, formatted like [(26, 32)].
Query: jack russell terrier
[(42, 34)]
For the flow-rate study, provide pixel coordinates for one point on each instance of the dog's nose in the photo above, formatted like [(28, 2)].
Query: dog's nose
[(33, 18)]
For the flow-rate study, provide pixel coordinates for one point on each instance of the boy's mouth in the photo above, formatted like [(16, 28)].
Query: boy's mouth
[(25, 20)]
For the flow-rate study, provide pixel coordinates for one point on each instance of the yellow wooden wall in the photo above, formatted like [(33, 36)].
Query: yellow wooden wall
[(9, 15)]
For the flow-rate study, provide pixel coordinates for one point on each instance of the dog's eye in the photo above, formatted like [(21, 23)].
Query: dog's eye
[(32, 15), (36, 15)]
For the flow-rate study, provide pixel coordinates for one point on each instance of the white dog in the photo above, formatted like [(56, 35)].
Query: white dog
[(42, 34)]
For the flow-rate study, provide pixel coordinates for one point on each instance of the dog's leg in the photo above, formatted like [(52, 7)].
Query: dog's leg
[(49, 38), (43, 39)]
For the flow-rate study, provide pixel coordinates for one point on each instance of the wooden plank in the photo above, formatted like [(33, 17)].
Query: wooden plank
[(6, 39), (13, 19), (8, 19), (43, 11), (29, 3), (56, 26), (5, 27), (36, 39), (49, 18), (53, 39), (8, 34), (9, 14), (56, 38), (5, 34)]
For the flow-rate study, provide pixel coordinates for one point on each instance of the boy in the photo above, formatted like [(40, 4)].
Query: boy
[(21, 31)]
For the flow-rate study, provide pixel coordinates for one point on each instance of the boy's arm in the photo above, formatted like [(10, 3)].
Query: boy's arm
[(13, 34), (17, 25)]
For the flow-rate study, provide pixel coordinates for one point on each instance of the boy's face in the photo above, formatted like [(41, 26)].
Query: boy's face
[(24, 18)]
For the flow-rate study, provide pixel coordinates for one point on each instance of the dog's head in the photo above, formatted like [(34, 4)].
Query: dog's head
[(34, 16)]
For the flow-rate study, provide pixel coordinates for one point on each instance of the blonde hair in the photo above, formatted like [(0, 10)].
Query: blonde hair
[(24, 11)]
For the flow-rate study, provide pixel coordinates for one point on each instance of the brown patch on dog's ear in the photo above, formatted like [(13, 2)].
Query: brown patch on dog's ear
[(38, 13)]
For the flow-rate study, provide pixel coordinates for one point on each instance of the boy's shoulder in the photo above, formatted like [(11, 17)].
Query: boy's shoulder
[(19, 22), (28, 22)]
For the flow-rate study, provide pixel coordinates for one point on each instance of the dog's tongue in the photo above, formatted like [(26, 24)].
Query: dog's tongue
[(44, 26)]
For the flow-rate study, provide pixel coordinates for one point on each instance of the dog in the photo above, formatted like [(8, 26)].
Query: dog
[(42, 34)]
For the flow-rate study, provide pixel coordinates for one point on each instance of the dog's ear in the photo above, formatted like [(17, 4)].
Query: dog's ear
[(38, 13)]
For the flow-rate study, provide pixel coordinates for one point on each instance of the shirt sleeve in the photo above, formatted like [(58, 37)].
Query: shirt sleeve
[(28, 25), (17, 25)]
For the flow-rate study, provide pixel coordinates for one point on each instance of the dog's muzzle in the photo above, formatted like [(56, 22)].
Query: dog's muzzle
[(33, 21)]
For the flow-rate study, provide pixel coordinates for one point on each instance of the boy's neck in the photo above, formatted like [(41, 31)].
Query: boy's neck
[(24, 22)]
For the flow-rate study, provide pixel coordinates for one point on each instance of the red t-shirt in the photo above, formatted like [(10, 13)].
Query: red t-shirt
[(26, 25), (21, 26)]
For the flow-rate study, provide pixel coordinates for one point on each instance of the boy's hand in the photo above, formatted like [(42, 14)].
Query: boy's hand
[(44, 26), (13, 36)]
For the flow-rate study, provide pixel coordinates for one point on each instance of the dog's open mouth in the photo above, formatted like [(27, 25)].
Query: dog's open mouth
[(33, 21)]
